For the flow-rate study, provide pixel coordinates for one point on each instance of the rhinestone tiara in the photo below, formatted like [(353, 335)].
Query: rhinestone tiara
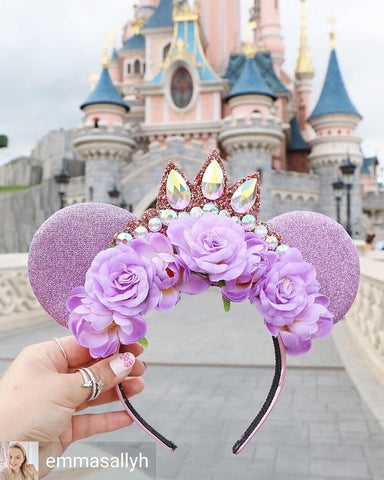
[(210, 192)]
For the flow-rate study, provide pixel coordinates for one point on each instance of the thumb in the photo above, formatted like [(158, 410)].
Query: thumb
[(110, 371)]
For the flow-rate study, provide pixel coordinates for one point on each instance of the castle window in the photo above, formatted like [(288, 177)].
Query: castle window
[(137, 66), (128, 68), (144, 65), (96, 122), (181, 87)]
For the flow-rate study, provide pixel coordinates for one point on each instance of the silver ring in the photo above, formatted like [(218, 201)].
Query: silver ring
[(90, 382), (61, 348)]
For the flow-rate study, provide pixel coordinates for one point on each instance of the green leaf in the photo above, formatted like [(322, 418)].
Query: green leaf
[(143, 342), (227, 304)]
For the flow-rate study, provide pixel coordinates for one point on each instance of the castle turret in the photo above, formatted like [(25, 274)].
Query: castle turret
[(266, 17), (304, 75), (103, 141), (114, 68), (251, 132), (220, 22), (250, 94), (132, 62), (334, 120), (158, 35)]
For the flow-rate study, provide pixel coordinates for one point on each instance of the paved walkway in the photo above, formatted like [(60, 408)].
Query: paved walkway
[(208, 374)]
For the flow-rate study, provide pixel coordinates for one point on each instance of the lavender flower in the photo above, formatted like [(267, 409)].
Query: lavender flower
[(98, 328), (122, 279), (315, 321), (213, 245), (286, 288), (258, 262), (171, 274)]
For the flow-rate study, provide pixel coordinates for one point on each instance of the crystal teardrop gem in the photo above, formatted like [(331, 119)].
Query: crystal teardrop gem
[(212, 184), (178, 192), (244, 197)]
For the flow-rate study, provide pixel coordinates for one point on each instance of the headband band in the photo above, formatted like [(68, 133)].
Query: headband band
[(252, 429)]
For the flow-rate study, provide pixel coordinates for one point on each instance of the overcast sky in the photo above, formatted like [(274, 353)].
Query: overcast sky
[(50, 47)]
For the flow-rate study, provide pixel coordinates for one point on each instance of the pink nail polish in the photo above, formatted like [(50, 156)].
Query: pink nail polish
[(122, 363)]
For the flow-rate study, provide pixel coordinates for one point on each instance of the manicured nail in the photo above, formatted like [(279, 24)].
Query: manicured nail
[(122, 363)]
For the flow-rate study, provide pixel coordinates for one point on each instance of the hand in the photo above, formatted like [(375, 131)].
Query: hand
[(40, 393), (32, 472)]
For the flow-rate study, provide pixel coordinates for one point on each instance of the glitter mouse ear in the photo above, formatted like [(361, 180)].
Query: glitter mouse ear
[(326, 245), (63, 248)]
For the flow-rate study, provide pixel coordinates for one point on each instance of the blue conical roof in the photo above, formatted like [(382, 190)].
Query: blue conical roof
[(297, 142), (136, 42), (105, 92), (250, 82), (114, 55), (334, 97), (162, 16)]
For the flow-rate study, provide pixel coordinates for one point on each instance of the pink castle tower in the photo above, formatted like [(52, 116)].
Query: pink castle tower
[(220, 22), (266, 15), (304, 74)]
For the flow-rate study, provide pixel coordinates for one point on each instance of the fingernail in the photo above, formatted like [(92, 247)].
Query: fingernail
[(122, 363)]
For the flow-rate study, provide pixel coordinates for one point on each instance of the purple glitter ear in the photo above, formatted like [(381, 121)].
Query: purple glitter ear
[(63, 248), (326, 245)]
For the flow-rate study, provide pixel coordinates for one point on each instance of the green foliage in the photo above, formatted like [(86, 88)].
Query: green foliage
[(13, 188), (227, 304), (143, 342)]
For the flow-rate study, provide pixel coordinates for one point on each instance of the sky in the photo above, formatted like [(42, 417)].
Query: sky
[(50, 47)]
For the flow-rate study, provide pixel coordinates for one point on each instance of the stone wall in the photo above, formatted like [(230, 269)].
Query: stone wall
[(46, 160), (21, 171), (365, 318), (294, 191), (18, 304), (52, 149), (22, 213)]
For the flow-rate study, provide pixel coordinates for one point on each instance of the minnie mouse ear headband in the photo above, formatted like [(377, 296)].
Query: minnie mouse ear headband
[(300, 270)]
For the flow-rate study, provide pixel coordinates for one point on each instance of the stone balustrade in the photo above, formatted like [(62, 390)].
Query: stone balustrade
[(366, 317), (18, 304)]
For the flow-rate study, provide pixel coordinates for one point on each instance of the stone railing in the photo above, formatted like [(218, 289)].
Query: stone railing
[(366, 317), (18, 304)]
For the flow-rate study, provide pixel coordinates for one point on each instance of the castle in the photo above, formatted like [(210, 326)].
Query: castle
[(183, 84)]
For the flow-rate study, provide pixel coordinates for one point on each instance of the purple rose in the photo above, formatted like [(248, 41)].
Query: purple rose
[(315, 321), (98, 328), (212, 245), (259, 261), (286, 289), (171, 274), (123, 280)]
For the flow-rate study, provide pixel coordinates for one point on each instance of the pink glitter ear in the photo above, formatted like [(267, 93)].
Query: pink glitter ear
[(63, 248), (326, 245)]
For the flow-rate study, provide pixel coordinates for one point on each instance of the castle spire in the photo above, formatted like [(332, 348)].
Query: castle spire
[(304, 62), (332, 40), (105, 60)]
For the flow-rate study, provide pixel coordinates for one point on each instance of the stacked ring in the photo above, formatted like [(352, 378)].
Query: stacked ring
[(90, 381)]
